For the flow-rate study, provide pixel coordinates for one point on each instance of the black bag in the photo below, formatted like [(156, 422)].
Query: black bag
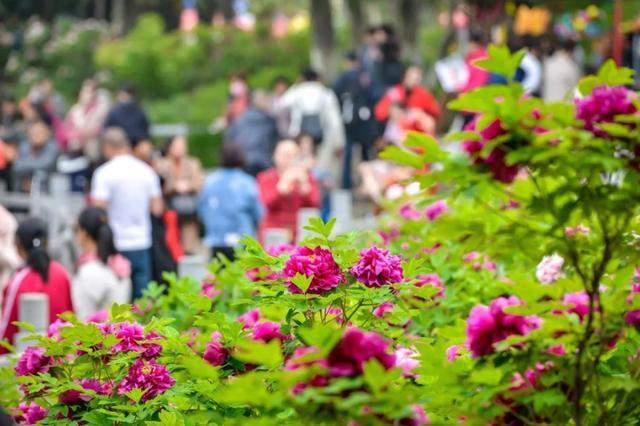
[(311, 125), (184, 204), (162, 261)]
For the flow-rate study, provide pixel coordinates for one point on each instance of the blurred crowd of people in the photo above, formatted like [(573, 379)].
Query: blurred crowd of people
[(283, 150)]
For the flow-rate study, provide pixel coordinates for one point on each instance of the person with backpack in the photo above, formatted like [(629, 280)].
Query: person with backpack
[(355, 93), (315, 111), (39, 274)]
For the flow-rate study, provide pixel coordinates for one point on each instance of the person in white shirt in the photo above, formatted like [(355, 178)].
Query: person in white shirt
[(561, 73), (129, 190), (103, 274)]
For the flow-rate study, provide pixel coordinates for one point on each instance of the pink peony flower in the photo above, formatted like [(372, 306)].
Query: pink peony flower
[(407, 360), (209, 288), (317, 263), (437, 209), (488, 325), (557, 350), (305, 358), (98, 317), (73, 396), (355, 348), (383, 309), (432, 280), (453, 352), (549, 269), (215, 353), (149, 376), (419, 417), (133, 339), (635, 282), (388, 237), (377, 268), (33, 361), (54, 328), (530, 378), (577, 303), (279, 249), (32, 413), (579, 229), (267, 331), (407, 211), (602, 105), (495, 161), (633, 318), (249, 319)]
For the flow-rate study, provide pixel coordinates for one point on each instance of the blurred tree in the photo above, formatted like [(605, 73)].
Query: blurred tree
[(323, 55), (358, 20), (409, 12)]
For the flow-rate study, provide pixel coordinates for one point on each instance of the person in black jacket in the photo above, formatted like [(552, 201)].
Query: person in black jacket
[(128, 115), (354, 90)]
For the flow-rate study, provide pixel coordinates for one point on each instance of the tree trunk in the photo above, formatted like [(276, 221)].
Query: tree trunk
[(409, 11), (323, 50), (123, 15), (100, 9), (358, 21)]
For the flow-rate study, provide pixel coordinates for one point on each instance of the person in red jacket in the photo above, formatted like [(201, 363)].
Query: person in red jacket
[(39, 275), (285, 189), (412, 102)]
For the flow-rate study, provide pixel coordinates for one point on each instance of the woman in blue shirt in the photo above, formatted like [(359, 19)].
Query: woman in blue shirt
[(229, 205)]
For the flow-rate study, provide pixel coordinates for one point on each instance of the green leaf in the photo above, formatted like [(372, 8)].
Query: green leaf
[(375, 376), (267, 354), (487, 376), (135, 394), (25, 326), (501, 61), (318, 226), (302, 281), (430, 148), (402, 156), (324, 337)]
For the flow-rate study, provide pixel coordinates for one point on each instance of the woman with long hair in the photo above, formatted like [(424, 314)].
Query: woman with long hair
[(103, 276), (39, 274)]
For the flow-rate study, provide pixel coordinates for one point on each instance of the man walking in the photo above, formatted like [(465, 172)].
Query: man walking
[(130, 192)]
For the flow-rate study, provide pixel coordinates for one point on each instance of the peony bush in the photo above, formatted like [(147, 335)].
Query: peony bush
[(504, 292)]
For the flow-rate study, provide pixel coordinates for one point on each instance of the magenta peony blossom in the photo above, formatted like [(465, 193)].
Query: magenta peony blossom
[(383, 309), (557, 350), (432, 280), (249, 319), (419, 417), (479, 262), (488, 325), (635, 281), (407, 360), (209, 288), (267, 331), (355, 348), (377, 267), (579, 229), (133, 339), (577, 303), (549, 269), (436, 209), (317, 263), (215, 353), (98, 317), (149, 376), (77, 397), (388, 237), (305, 358), (633, 318), (33, 361), (530, 378), (54, 328), (602, 105), (407, 211), (453, 352), (277, 250), (32, 413)]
